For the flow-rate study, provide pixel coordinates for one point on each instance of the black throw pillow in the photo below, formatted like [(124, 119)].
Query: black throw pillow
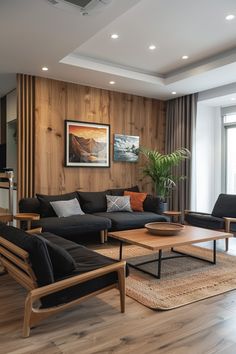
[(46, 210), (62, 262), (120, 191), (93, 202)]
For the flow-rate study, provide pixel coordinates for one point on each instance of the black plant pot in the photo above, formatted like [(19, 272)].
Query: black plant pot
[(163, 206)]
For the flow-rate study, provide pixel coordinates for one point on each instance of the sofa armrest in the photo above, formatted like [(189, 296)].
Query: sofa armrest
[(228, 223), (36, 294), (152, 204), (38, 230), (195, 212)]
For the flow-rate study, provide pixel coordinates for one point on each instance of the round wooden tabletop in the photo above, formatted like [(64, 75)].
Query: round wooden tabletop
[(172, 213)]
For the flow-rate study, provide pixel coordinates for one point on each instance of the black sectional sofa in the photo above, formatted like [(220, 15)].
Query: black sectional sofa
[(95, 218)]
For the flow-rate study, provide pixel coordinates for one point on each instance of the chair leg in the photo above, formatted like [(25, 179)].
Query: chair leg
[(102, 236), (226, 244), (27, 316), (121, 282), (105, 235)]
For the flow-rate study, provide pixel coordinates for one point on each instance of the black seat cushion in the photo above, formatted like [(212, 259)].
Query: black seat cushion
[(225, 206), (38, 253), (134, 220), (46, 210), (204, 220), (72, 226), (93, 202), (86, 260)]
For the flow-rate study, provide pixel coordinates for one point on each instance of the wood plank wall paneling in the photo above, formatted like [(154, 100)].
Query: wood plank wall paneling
[(26, 133), (56, 101)]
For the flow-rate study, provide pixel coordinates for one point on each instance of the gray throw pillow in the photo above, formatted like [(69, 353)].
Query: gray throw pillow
[(64, 208), (116, 203)]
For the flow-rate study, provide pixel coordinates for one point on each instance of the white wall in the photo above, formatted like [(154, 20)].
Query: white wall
[(4, 199), (208, 158)]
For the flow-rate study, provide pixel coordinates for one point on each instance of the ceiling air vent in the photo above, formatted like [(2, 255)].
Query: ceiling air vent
[(85, 7)]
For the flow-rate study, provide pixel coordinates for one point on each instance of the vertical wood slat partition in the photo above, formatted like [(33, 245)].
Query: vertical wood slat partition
[(26, 135)]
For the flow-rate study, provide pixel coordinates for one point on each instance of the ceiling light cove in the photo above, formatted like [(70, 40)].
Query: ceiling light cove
[(44, 68), (230, 17), (233, 99), (173, 92), (152, 47), (114, 36), (112, 82), (185, 57)]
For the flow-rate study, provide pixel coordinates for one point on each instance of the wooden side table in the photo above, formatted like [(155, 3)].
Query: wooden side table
[(28, 217), (173, 214)]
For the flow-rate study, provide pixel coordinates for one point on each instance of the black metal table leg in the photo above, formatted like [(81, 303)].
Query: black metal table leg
[(159, 264), (214, 251), (121, 248)]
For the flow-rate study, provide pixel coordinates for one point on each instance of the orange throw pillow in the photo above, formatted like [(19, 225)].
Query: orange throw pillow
[(136, 200)]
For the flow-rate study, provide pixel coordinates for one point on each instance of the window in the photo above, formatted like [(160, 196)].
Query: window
[(230, 153)]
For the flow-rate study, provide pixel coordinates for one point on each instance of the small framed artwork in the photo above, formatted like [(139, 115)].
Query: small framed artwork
[(87, 144), (126, 148)]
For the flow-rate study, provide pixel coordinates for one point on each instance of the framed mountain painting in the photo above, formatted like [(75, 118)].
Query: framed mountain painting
[(87, 144)]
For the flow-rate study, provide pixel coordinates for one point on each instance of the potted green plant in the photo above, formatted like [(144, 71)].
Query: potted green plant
[(159, 167)]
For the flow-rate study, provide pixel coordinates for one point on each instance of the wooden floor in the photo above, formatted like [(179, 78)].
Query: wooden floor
[(97, 326)]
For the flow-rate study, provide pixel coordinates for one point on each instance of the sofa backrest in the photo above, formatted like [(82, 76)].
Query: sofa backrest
[(90, 202), (38, 253), (225, 206), (29, 205)]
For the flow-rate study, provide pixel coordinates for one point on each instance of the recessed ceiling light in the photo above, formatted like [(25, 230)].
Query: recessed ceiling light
[(152, 47), (114, 36), (229, 17), (173, 93), (44, 68), (233, 99), (185, 57), (112, 82)]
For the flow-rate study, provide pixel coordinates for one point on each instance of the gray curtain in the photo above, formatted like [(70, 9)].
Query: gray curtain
[(180, 130)]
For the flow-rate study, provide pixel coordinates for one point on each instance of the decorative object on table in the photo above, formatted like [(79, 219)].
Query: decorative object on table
[(164, 228), (159, 168), (126, 148), (87, 144)]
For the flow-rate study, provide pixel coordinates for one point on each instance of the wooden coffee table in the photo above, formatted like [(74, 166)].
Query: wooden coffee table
[(188, 236)]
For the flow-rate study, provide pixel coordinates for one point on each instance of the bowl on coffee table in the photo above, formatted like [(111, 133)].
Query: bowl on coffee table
[(164, 228)]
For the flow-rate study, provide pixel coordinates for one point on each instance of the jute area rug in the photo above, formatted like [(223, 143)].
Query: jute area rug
[(183, 281)]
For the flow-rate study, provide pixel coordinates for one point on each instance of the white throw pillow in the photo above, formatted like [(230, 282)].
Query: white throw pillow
[(64, 208), (115, 203)]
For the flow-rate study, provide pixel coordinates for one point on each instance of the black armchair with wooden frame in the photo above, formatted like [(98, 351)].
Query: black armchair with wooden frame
[(223, 216), (47, 294)]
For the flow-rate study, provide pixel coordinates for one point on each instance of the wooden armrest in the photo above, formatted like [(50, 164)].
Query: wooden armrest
[(77, 279), (38, 230), (26, 216), (228, 222), (229, 219)]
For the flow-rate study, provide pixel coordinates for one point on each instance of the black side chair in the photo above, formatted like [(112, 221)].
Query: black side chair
[(223, 216)]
